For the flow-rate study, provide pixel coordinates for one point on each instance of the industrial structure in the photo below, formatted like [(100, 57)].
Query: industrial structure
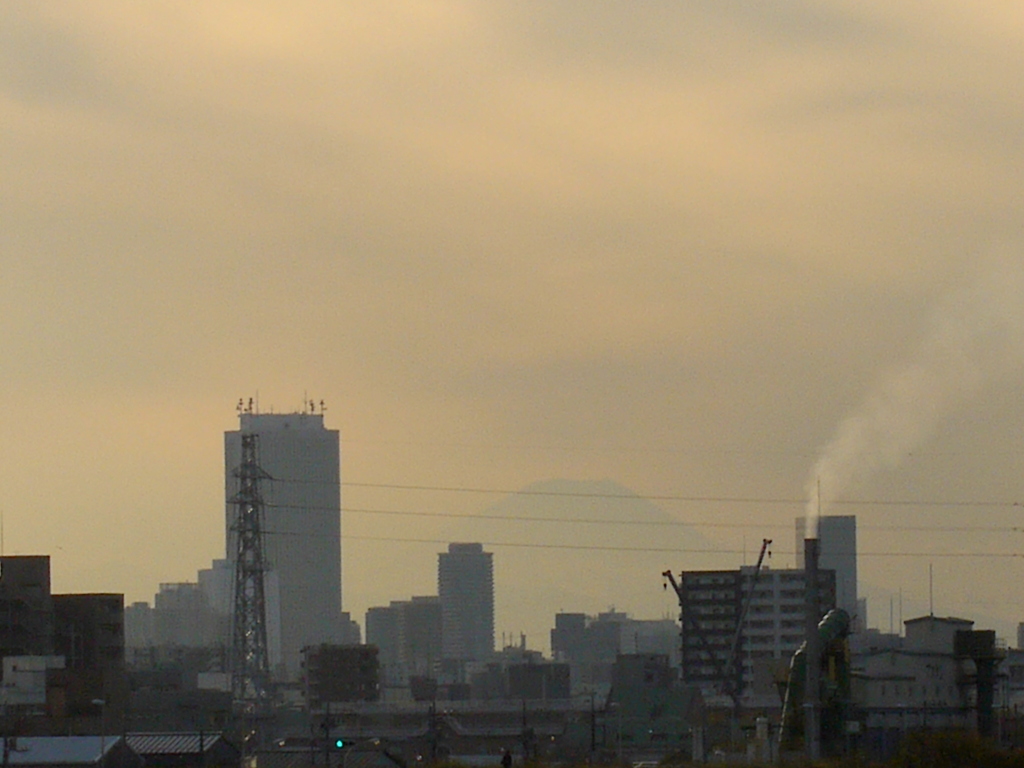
[(250, 661)]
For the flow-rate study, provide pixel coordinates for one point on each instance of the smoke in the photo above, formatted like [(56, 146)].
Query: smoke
[(976, 335)]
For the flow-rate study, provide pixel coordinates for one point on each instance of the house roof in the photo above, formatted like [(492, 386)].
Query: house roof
[(941, 619), (179, 743), (60, 750)]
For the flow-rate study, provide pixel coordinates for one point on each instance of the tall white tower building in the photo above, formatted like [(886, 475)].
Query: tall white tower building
[(302, 524), (465, 587)]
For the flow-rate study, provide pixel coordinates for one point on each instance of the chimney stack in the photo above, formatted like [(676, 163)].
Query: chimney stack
[(812, 690)]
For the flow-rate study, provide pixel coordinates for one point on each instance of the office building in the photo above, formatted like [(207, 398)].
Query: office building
[(139, 625), (465, 586), (838, 537), (407, 634), (382, 633), (340, 673), (419, 631), (89, 631), (302, 526), (26, 606)]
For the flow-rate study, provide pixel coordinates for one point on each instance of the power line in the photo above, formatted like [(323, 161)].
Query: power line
[(649, 523), (580, 494), (672, 550), (664, 523), (691, 498), (631, 496)]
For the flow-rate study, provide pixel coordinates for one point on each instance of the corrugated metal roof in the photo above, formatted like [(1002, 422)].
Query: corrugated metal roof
[(290, 759), (182, 743), (63, 750)]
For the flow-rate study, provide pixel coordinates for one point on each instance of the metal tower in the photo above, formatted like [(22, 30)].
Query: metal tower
[(250, 660)]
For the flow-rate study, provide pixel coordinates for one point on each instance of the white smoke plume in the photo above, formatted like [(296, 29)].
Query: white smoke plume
[(976, 335)]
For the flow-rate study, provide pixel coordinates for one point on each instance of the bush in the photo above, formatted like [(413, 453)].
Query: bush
[(953, 749)]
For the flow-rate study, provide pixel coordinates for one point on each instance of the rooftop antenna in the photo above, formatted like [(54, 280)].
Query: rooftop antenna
[(931, 592)]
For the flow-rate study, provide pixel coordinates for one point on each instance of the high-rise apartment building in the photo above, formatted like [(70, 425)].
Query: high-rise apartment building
[(774, 627), (465, 586), (302, 526), (838, 547)]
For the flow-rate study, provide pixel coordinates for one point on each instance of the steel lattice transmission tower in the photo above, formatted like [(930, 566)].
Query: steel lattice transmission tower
[(250, 660)]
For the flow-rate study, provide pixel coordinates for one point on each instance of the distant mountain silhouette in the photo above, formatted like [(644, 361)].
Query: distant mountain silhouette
[(583, 565)]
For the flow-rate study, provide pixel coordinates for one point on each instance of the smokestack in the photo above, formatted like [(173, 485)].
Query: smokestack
[(812, 690)]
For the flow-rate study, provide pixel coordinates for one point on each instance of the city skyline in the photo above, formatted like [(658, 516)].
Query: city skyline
[(676, 263)]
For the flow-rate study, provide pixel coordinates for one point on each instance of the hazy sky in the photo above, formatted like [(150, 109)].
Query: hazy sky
[(674, 246)]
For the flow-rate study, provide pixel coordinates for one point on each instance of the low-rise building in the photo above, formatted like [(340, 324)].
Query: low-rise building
[(339, 673)]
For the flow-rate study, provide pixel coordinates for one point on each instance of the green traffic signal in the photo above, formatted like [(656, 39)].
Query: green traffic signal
[(339, 743)]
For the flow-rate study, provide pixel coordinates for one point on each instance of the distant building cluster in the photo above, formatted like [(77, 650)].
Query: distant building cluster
[(429, 681), (302, 535), (590, 645)]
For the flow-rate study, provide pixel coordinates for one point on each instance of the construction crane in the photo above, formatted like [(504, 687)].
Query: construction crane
[(729, 669)]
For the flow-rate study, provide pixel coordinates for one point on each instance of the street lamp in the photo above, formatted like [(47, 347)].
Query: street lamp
[(617, 709), (102, 704), (198, 720)]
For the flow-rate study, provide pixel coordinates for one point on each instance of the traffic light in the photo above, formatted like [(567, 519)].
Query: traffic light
[(339, 743)]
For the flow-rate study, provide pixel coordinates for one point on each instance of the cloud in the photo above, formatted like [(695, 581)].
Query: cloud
[(705, 224)]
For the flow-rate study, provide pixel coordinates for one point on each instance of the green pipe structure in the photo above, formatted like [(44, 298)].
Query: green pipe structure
[(834, 685)]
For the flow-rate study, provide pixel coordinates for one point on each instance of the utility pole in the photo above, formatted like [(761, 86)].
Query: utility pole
[(593, 727), (250, 661), (326, 726)]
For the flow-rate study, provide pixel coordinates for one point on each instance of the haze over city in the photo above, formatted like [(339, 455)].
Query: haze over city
[(705, 254)]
